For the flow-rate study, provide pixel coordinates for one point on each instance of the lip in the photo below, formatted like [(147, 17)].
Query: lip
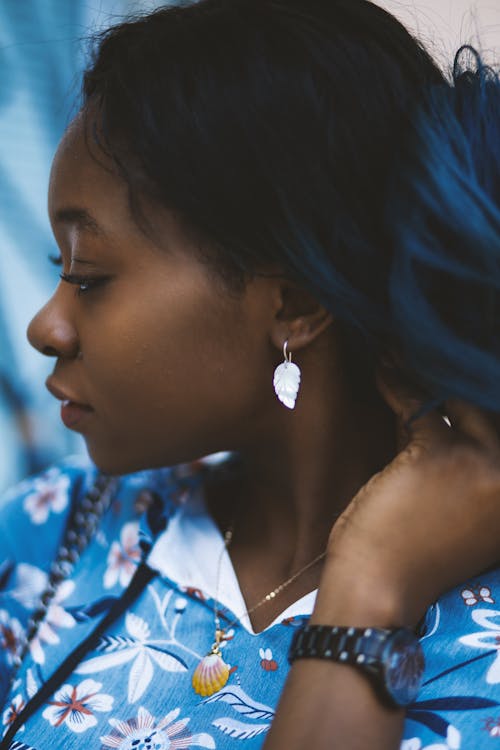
[(63, 395), (72, 414), (72, 410)]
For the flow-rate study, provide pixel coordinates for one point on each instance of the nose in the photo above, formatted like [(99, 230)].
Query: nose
[(52, 331)]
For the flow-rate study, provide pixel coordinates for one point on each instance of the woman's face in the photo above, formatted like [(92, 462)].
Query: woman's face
[(171, 364)]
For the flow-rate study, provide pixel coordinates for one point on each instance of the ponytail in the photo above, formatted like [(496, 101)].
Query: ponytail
[(444, 214)]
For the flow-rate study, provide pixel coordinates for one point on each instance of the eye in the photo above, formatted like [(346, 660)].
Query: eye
[(84, 283)]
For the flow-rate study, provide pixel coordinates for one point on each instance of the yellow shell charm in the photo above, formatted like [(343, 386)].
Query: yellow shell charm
[(210, 675)]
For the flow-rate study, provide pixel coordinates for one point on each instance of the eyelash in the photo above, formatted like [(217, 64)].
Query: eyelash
[(85, 283)]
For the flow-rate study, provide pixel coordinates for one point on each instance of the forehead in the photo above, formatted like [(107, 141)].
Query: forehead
[(87, 193), (81, 173)]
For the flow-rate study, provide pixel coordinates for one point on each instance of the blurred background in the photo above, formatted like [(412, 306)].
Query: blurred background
[(43, 46)]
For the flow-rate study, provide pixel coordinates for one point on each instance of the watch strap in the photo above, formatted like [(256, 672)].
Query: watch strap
[(360, 646)]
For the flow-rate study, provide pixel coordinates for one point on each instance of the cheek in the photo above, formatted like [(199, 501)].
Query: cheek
[(169, 380)]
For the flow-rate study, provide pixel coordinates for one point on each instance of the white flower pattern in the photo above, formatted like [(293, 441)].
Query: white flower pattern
[(488, 639), (49, 494), (144, 732), (453, 742), (12, 711), (56, 617), (123, 557), (75, 706), (28, 583), (147, 656), (142, 652)]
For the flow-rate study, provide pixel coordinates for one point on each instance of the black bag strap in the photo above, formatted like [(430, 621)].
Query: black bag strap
[(143, 575), (80, 527)]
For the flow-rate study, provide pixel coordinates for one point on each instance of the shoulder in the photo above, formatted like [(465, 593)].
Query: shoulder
[(34, 513), (156, 496), (35, 510)]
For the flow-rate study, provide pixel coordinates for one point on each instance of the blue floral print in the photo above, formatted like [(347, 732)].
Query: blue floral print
[(134, 688)]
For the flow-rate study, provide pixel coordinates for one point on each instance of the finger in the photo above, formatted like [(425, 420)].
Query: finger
[(473, 423), (428, 427), (418, 419)]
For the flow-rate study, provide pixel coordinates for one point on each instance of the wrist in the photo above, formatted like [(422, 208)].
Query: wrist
[(391, 658), (350, 597)]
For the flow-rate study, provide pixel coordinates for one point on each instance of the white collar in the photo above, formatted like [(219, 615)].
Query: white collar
[(188, 553)]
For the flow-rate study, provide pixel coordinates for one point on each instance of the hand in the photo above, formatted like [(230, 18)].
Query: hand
[(429, 521)]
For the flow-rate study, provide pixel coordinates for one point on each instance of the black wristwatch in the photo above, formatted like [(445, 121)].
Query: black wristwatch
[(392, 658)]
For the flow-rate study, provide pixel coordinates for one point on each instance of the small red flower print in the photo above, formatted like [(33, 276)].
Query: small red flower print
[(267, 662), (11, 636), (143, 501), (13, 710), (195, 593), (492, 726), (476, 594)]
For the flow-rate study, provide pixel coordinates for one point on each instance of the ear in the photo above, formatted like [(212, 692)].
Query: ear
[(299, 317)]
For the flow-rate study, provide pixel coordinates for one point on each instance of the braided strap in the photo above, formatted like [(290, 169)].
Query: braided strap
[(80, 529)]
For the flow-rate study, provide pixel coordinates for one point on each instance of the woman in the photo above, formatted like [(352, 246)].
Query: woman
[(251, 185)]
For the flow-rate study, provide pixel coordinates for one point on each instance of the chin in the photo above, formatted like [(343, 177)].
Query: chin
[(115, 462)]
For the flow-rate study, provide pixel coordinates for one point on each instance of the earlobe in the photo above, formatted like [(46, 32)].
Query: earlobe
[(298, 322)]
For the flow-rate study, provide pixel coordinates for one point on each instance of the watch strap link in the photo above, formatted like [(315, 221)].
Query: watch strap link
[(357, 646)]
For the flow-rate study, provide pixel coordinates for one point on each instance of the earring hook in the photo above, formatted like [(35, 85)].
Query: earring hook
[(287, 356)]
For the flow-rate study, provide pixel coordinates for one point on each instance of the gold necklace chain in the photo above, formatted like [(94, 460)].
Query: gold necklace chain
[(267, 598), (212, 672)]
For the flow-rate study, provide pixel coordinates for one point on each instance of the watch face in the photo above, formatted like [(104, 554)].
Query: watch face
[(404, 666)]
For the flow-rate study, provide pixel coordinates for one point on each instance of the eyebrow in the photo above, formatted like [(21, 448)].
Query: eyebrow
[(78, 217)]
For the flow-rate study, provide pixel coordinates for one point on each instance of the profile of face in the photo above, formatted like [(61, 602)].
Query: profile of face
[(171, 364)]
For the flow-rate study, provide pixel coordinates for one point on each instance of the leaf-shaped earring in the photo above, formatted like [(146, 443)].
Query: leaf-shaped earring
[(287, 380)]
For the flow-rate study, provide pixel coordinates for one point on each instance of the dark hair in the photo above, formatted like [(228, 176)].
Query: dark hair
[(319, 137)]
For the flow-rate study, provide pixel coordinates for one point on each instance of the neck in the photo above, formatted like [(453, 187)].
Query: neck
[(300, 473)]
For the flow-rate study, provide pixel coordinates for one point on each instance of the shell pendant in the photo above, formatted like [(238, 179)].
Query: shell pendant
[(211, 674)]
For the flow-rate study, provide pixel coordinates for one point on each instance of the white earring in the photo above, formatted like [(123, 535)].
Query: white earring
[(287, 380)]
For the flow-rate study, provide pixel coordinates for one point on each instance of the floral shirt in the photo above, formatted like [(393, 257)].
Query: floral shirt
[(134, 690)]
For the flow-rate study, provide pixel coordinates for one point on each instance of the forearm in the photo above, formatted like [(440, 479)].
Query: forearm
[(328, 706), (331, 706)]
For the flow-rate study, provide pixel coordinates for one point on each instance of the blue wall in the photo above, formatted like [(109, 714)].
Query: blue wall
[(42, 51)]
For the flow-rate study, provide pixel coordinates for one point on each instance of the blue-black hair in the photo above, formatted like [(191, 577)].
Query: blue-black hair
[(319, 137), (444, 211)]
